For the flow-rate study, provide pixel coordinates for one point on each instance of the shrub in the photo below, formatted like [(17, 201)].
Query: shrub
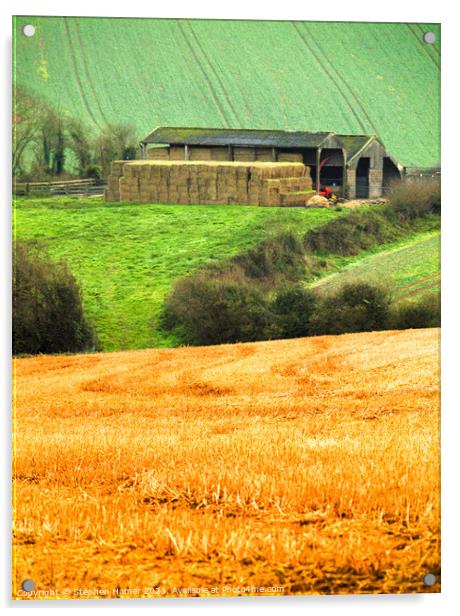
[(293, 309), (348, 235), (414, 198), (47, 308), (213, 310), (425, 312), (355, 307), (93, 171), (280, 256)]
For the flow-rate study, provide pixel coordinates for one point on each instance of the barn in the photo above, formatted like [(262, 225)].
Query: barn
[(354, 166)]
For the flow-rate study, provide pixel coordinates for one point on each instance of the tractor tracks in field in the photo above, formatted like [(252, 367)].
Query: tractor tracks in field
[(77, 75), (327, 72), (86, 71), (319, 55), (213, 92), (216, 74)]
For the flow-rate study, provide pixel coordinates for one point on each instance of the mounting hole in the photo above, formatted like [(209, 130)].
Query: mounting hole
[(28, 30), (28, 585), (429, 579), (429, 38)]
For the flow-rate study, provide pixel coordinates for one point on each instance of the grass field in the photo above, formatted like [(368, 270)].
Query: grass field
[(352, 78), (305, 466), (126, 256), (410, 270)]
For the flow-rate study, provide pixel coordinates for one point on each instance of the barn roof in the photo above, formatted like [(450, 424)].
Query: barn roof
[(236, 137), (353, 144), (170, 135)]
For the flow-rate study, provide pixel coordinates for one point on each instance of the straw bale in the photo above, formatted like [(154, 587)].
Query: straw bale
[(219, 153), (112, 182), (177, 152), (290, 157), (296, 198), (128, 171), (116, 167), (200, 153), (244, 154), (264, 154), (158, 154), (110, 195)]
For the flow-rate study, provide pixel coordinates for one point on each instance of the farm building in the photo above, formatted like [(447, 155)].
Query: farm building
[(355, 166)]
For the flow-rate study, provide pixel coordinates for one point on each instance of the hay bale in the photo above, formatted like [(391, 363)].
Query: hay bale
[(264, 155), (296, 198), (219, 153), (290, 157), (116, 167), (199, 153), (158, 154), (317, 201), (177, 152), (244, 154)]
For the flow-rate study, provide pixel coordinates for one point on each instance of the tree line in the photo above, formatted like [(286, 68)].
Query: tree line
[(49, 142)]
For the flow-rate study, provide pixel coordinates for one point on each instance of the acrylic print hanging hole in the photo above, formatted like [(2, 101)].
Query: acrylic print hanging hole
[(429, 38), (28, 30), (429, 579)]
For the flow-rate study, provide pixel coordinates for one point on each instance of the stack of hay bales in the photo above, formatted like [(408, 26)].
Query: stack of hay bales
[(209, 182)]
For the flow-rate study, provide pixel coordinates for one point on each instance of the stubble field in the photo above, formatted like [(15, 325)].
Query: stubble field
[(286, 467)]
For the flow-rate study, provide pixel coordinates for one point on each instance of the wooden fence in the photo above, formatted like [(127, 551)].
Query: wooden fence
[(68, 187)]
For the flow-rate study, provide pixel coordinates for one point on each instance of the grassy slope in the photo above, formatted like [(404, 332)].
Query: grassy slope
[(347, 77), (126, 255), (411, 269)]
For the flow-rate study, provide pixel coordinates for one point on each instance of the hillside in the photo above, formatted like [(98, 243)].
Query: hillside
[(308, 465), (126, 256), (357, 78), (410, 270)]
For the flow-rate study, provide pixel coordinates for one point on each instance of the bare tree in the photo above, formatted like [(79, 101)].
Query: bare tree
[(117, 142), (27, 121), (79, 143)]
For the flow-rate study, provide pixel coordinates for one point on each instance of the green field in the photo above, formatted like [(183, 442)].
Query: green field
[(356, 78), (410, 270), (126, 256)]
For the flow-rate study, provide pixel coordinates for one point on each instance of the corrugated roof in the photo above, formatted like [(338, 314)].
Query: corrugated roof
[(236, 137)]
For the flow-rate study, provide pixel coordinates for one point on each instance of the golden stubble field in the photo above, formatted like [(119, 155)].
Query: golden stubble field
[(286, 467)]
